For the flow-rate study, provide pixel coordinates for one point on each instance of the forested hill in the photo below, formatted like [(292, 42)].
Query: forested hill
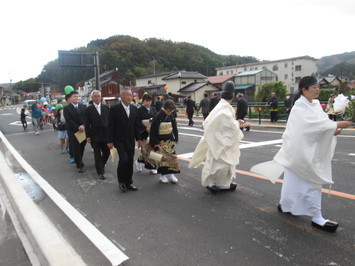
[(136, 58)]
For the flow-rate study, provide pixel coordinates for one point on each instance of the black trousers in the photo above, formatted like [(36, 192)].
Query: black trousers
[(189, 116), (77, 149), (273, 116), (125, 166), (204, 115), (101, 154)]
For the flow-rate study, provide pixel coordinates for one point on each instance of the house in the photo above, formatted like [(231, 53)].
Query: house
[(289, 71), (111, 84), (248, 82), (197, 89), (162, 84), (218, 81)]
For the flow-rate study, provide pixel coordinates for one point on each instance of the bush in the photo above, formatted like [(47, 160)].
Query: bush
[(264, 92)]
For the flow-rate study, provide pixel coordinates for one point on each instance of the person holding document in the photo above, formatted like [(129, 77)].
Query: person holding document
[(74, 114), (96, 123)]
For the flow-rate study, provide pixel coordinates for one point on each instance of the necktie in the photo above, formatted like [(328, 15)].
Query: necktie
[(127, 111)]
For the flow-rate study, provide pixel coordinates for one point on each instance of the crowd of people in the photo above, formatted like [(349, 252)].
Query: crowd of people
[(304, 159)]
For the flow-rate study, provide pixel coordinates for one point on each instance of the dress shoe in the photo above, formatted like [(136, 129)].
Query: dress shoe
[(122, 187), (213, 189), (329, 226), (280, 210), (233, 187), (80, 170), (131, 187), (102, 177)]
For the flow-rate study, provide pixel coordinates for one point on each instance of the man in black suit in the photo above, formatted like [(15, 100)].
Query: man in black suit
[(214, 101), (242, 107), (190, 109), (74, 114), (123, 129), (96, 123)]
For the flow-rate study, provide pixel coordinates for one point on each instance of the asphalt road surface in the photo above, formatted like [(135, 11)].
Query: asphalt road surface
[(184, 224)]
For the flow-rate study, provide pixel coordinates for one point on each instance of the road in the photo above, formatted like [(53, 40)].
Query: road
[(184, 224)]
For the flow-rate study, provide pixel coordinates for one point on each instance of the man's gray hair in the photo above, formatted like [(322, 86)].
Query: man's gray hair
[(240, 95), (95, 91)]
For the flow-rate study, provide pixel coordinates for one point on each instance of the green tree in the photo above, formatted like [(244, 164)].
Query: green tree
[(264, 92)]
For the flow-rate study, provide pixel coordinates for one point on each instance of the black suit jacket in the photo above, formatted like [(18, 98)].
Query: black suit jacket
[(74, 117), (143, 114), (96, 124), (122, 131), (242, 108), (190, 106)]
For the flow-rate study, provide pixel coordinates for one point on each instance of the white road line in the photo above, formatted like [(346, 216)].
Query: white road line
[(107, 248), (261, 143), (351, 154), (242, 146)]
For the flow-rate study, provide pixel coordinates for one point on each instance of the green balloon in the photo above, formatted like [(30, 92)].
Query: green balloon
[(58, 106), (68, 89)]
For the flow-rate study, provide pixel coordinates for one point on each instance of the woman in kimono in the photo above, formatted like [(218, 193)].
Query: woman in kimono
[(163, 138), (146, 112), (305, 157)]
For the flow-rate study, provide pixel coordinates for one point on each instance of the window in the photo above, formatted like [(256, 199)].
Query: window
[(286, 65), (286, 76), (298, 68), (221, 73), (297, 79), (256, 68), (183, 82), (251, 68), (264, 67), (275, 68), (149, 82), (245, 69)]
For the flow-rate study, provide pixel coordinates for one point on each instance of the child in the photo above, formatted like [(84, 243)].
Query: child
[(62, 129), (163, 139), (23, 118)]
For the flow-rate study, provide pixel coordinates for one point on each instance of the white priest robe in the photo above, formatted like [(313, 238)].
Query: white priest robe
[(219, 145), (306, 154)]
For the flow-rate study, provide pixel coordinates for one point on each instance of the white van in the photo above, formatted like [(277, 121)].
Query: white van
[(28, 103)]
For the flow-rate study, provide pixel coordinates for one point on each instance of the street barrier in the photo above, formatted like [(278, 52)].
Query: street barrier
[(49, 246)]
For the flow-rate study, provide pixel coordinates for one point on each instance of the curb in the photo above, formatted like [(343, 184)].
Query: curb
[(47, 246)]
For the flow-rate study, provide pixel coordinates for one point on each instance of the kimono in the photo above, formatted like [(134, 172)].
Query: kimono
[(164, 133), (305, 158), (219, 146), (145, 117)]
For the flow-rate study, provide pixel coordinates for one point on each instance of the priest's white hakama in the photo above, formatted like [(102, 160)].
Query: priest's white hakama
[(220, 146), (305, 158)]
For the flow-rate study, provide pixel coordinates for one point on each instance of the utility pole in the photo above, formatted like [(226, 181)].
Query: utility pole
[(97, 70)]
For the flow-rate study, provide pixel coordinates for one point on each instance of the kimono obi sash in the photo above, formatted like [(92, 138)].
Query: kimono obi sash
[(146, 122), (165, 128)]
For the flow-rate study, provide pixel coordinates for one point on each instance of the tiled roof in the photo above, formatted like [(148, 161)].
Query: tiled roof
[(219, 79), (185, 75), (193, 87)]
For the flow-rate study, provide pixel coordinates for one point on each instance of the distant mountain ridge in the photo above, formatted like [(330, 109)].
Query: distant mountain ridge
[(136, 58), (327, 62)]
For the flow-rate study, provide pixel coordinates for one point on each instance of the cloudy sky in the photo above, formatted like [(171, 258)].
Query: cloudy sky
[(33, 31)]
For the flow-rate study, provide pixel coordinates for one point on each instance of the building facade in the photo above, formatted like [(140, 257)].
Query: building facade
[(289, 71)]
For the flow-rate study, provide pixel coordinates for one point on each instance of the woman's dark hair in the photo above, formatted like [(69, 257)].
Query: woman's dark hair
[(147, 97), (169, 105)]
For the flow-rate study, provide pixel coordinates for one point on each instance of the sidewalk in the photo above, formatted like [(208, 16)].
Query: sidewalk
[(264, 124)]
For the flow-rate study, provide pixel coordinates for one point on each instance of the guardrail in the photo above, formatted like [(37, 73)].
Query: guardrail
[(47, 245)]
